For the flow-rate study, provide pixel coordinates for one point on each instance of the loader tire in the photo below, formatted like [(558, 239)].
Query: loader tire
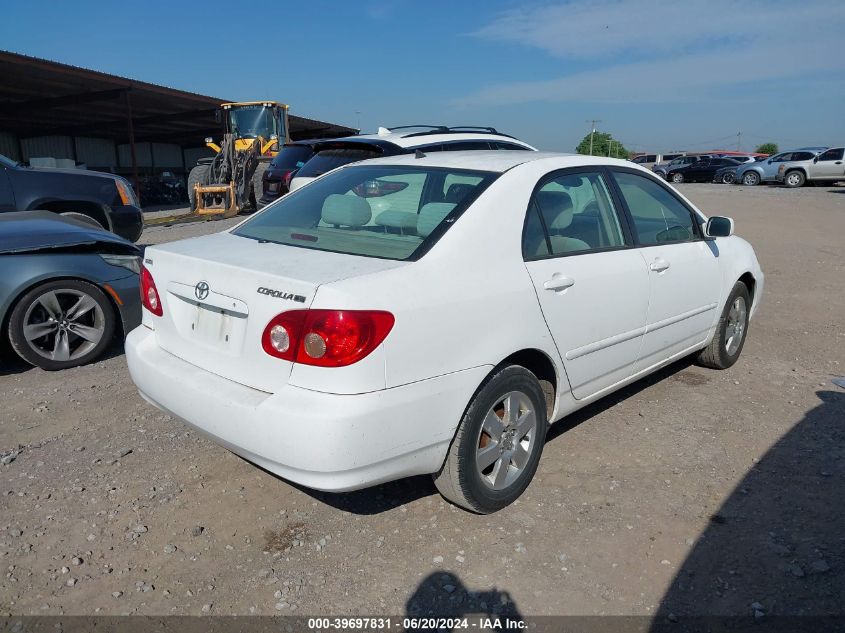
[(197, 176), (258, 184)]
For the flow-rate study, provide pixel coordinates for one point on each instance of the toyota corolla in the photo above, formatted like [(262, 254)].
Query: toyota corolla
[(433, 314)]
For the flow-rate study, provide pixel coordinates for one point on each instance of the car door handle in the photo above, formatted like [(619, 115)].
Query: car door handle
[(659, 265), (558, 282)]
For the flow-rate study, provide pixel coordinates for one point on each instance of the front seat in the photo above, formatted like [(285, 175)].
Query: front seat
[(557, 211)]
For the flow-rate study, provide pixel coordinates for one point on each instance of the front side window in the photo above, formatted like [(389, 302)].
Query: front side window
[(832, 154), (802, 156), (382, 211), (659, 217), (570, 214)]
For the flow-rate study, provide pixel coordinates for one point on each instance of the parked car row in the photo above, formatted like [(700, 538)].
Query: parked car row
[(793, 168)]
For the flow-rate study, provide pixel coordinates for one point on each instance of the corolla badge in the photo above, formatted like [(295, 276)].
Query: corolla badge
[(201, 290)]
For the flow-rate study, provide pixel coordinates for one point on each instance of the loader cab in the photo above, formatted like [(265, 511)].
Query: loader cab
[(266, 121)]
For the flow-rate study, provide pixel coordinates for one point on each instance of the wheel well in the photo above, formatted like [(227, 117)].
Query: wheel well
[(541, 366), (90, 209), (750, 283), (801, 169)]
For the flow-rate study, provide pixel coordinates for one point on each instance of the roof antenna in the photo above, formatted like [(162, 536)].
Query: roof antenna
[(419, 154)]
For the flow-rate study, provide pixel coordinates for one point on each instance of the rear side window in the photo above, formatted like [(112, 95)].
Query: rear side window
[(832, 154), (330, 159), (571, 214), (292, 156), (802, 155), (382, 211), (659, 217)]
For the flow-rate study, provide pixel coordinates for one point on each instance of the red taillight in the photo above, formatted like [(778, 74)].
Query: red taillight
[(287, 177), (149, 293), (326, 338)]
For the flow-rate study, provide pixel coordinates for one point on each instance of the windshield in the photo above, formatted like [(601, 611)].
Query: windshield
[(390, 212), (329, 159), (7, 162), (253, 121)]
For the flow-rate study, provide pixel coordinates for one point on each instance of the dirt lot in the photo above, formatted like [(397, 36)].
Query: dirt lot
[(693, 492)]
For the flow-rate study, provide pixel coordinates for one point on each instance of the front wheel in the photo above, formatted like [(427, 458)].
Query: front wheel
[(61, 324), (751, 178), (728, 178), (729, 339), (198, 176), (794, 179), (677, 178), (86, 219), (497, 447)]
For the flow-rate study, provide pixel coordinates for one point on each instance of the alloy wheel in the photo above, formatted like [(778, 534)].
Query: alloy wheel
[(506, 440), (735, 329), (63, 324)]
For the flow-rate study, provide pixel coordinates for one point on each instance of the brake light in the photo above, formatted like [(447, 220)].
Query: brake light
[(287, 177), (326, 338), (149, 293)]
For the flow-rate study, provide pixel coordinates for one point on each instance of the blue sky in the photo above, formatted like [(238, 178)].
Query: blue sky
[(658, 74)]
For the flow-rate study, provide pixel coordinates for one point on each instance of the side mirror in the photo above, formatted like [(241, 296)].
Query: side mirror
[(719, 226), (769, 161)]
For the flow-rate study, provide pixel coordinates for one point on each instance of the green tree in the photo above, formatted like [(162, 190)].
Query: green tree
[(603, 145), (767, 148)]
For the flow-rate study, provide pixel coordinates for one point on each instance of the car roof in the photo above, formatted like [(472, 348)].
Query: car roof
[(407, 139), (498, 160)]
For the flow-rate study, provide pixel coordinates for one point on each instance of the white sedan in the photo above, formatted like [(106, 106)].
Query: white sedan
[(433, 314)]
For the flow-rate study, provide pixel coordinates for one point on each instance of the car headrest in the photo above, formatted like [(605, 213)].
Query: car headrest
[(402, 220), (556, 207), (431, 215), (457, 191), (343, 210)]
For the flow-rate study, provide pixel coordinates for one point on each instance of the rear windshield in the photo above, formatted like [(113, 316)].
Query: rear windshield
[(292, 156), (329, 159), (381, 211)]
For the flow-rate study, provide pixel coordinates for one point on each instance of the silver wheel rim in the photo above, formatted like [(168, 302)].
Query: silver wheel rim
[(506, 440), (735, 329), (677, 178), (728, 179), (750, 179), (793, 179), (63, 324)]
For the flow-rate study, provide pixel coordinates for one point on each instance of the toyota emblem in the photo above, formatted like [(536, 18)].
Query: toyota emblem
[(201, 290)]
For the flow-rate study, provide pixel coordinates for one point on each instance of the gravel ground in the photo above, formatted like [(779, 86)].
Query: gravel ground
[(691, 492)]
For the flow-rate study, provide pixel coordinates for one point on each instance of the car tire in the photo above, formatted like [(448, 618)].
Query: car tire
[(87, 219), (728, 178), (731, 331), (196, 177), (751, 178), (258, 184), (497, 447), (677, 178), (61, 343), (794, 179)]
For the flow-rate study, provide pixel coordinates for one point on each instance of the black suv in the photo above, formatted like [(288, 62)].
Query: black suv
[(95, 197), (276, 179)]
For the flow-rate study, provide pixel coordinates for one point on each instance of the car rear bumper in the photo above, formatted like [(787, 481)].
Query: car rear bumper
[(127, 222), (319, 440)]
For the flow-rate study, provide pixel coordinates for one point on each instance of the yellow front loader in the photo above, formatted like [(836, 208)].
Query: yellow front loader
[(230, 182)]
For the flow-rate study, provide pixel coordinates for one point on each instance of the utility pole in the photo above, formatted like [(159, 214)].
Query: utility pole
[(592, 131), (739, 141)]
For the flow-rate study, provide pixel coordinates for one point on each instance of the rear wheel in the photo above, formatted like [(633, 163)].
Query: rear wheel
[(751, 178), (196, 177), (677, 178), (794, 179), (729, 339), (497, 447), (61, 324)]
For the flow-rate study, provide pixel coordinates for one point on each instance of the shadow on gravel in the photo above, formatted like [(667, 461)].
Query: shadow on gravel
[(443, 595), (611, 400), (776, 547), (11, 363)]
